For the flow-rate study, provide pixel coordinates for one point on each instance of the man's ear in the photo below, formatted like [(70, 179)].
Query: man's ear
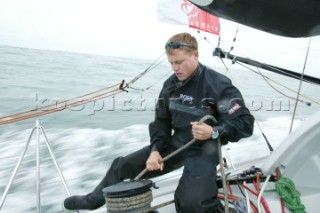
[(196, 53)]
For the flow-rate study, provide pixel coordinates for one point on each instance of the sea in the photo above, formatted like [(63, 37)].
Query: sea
[(85, 139)]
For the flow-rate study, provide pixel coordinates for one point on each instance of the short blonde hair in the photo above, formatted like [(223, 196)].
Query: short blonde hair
[(187, 42)]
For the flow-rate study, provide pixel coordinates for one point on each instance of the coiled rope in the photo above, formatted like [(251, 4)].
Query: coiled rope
[(221, 162), (124, 204), (287, 191)]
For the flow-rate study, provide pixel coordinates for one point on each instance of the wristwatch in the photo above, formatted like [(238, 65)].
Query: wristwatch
[(215, 134)]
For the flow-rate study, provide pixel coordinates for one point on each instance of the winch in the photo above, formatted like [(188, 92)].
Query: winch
[(136, 196), (129, 196)]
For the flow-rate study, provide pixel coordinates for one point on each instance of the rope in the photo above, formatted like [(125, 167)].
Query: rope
[(223, 175), (136, 202), (288, 193), (74, 102), (62, 105), (260, 192), (239, 203), (178, 150), (157, 206), (263, 201), (187, 145)]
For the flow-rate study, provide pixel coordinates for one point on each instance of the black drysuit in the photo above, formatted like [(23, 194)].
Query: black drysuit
[(206, 92)]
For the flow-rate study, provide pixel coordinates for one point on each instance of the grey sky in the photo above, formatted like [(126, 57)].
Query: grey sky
[(131, 29)]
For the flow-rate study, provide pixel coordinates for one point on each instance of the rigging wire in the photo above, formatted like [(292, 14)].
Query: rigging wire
[(234, 40), (152, 66), (264, 136), (276, 82), (300, 85), (227, 70), (266, 79), (219, 40), (275, 89), (147, 88), (205, 38)]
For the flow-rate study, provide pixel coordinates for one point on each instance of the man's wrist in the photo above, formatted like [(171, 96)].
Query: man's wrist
[(154, 148), (215, 133)]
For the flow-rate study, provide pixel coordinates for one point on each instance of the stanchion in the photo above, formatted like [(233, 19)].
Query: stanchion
[(39, 130)]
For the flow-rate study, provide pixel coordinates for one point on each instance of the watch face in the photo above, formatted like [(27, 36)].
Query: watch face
[(215, 135)]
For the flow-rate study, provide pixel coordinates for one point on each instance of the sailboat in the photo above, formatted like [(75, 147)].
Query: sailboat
[(252, 185), (287, 179)]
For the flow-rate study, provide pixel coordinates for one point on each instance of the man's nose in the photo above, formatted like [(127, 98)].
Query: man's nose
[(175, 67)]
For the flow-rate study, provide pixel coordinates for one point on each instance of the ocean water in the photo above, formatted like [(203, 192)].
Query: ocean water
[(86, 139)]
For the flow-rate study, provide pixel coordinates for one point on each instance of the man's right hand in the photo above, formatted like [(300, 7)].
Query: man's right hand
[(153, 162)]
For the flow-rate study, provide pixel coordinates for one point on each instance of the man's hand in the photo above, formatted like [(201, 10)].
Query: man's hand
[(153, 162), (201, 131)]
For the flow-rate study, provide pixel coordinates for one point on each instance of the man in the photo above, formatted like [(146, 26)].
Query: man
[(192, 92)]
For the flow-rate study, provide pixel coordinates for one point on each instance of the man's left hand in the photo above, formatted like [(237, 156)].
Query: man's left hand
[(201, 131)]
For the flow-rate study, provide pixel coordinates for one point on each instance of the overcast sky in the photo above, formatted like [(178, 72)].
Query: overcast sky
[(131, 29)]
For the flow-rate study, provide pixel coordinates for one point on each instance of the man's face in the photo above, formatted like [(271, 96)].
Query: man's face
[(183, 64)]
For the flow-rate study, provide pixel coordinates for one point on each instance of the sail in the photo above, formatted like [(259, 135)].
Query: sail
[(299, 18), (185, 13)]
